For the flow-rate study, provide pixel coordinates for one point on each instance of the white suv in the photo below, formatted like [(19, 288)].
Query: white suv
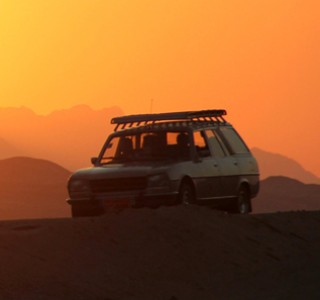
[(165, 159)]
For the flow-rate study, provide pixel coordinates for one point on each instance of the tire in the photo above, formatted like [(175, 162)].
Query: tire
[(186, 193), (242, 203)]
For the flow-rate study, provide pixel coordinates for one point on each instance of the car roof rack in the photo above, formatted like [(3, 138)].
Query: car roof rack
[(212, 115)]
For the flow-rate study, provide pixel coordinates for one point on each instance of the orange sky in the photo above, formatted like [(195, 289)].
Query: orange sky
[(258, 59)]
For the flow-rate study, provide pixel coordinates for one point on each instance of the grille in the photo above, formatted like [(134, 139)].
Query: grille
[(118, 184)]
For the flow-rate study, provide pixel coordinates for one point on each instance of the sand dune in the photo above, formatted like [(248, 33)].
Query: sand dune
[(184, 252)]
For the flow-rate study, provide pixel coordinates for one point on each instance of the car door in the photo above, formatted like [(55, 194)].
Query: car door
[(207, 173), (247, 165), (228, 164)]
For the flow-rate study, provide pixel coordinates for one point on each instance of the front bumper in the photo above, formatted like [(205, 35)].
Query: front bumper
[(125, 199)]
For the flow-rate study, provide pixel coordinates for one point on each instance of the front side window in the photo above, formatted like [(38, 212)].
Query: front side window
[(119, 148), (215, 144), (200, 143), (157, 145)]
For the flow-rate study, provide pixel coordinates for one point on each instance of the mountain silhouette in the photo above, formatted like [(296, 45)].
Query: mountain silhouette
[(281, 193), (37, 188), (32, 188), (68, 137), (272, 164)]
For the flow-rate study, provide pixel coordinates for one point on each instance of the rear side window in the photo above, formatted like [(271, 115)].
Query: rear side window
[(215, 145), (234, 140)]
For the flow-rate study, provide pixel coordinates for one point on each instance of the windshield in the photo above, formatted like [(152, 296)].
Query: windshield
[(157, 145)]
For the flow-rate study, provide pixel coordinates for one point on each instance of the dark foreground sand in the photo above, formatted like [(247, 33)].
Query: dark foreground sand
[(173, 253)]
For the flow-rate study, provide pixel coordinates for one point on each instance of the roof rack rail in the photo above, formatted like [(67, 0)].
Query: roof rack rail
[(212, 115)]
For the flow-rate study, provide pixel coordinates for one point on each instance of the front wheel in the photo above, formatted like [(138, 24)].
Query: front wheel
[(242, 204), (186, 194)]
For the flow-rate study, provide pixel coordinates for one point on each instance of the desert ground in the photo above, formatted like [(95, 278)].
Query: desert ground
[(170, 253)]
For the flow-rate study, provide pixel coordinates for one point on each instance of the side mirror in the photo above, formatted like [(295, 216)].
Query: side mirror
[(94, 160)]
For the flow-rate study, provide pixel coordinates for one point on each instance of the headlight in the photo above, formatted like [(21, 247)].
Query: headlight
[(78, 186), (158, 180)]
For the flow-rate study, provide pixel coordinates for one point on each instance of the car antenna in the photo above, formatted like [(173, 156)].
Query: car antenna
[(151, 105)]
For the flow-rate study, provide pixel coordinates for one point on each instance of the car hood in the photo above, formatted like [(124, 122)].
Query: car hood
[(128, 170)]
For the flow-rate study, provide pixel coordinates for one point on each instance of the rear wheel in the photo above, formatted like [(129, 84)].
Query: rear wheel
[(186, 193), (242, 204)]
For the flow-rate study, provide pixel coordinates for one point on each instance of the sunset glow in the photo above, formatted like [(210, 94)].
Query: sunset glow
[(257, 59)]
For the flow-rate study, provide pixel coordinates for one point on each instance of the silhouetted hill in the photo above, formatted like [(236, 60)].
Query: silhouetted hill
[(32, 188), (68, 137), (272, 164), (36, 188), (286, 194)]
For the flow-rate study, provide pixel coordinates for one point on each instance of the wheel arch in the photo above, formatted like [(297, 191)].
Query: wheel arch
[(187, 179), (245, 184)]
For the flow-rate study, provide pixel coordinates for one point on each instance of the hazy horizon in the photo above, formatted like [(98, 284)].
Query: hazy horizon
[(32, 135), (258, 60)]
